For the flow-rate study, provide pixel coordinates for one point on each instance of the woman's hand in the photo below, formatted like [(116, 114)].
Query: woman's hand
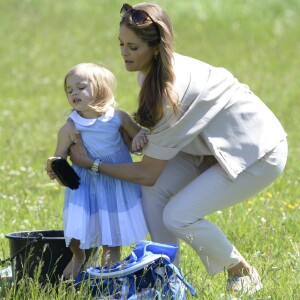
[(145, 172), (78, 154)]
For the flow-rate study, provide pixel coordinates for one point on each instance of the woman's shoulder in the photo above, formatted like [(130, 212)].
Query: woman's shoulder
[(196, 75), (188, 61), (197, 68), (190, 73)]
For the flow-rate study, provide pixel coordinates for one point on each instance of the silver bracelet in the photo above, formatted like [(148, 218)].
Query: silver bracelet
[(94, 170)]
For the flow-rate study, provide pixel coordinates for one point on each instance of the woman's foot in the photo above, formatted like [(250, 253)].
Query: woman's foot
[(245, 283)]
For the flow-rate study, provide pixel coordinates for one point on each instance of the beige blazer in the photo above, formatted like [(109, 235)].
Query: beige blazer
[(218, 116)]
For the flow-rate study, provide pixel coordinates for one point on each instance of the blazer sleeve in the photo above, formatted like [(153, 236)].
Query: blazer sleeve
[(209, 90)]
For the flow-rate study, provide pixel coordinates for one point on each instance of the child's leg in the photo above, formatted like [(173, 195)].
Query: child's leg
[(110, 255), (92, 256), (75, 264)]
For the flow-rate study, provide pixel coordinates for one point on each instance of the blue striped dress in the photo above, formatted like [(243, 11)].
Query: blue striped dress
[(104, 210)]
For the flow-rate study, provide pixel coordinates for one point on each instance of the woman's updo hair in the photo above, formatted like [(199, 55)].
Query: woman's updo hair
[(158, 84)]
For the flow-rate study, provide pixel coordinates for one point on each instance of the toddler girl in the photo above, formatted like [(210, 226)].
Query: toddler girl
[(103, 211)]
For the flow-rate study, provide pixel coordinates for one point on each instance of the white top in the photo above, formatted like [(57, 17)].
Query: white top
[(218, 116)]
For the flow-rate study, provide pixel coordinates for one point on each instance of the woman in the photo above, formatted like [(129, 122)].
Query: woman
[(212, 143)]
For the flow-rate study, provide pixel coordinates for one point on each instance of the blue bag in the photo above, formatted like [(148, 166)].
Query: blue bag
[(147, 273)]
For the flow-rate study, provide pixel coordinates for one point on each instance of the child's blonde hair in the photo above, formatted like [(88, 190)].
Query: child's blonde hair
[(103, 82)]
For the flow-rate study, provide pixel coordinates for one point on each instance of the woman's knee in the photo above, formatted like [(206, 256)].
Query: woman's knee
[(173, 217)]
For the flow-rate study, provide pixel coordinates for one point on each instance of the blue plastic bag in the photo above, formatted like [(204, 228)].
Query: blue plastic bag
[(147, 273)]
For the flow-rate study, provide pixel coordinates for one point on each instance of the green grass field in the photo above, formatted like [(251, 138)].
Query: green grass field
[(41, 39)]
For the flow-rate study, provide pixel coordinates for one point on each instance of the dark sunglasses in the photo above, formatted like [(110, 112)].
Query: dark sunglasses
[(138, 16)]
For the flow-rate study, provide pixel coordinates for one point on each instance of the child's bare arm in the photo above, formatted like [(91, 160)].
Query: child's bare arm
[(133, 130), (65, 138), (128, 124)]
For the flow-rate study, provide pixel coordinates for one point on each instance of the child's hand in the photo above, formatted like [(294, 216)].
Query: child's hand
[(49, 170), (139, 141)]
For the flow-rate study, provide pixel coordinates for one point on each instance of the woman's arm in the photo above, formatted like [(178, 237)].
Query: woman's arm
[(145, 172)]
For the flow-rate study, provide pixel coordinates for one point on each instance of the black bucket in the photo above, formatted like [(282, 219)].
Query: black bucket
[(42, 253)]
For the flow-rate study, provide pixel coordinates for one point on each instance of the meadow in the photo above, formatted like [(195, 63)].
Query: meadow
[(41, 39)]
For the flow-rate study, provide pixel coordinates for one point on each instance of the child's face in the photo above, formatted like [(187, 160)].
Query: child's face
[(80, 95)]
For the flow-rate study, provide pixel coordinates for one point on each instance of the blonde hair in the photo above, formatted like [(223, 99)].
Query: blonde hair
[(160, 79), (103, 82)]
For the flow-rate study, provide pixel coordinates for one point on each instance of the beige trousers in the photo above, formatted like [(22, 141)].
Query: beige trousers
[(187, 191)]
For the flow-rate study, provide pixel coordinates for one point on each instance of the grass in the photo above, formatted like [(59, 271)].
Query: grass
[(41, 39)]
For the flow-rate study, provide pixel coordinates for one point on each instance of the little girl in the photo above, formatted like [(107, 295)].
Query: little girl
[(104, 211)]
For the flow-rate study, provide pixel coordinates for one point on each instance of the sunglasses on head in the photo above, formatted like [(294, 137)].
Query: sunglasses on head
[(138, 16)]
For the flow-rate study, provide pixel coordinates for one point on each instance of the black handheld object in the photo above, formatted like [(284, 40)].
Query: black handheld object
[(65, 174)]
